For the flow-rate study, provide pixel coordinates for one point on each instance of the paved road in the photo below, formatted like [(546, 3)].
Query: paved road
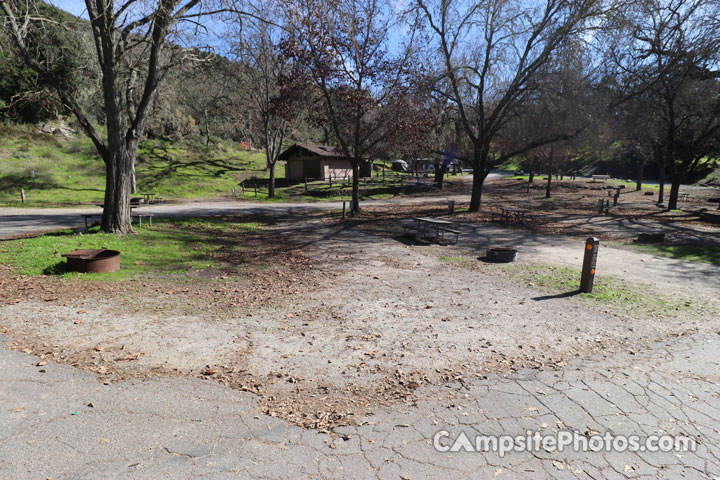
[(58, 422), (19, 221)]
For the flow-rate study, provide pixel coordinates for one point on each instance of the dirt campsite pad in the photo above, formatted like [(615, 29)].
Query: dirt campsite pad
[(328, 320)]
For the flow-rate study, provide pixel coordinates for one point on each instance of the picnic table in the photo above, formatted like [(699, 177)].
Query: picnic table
[(132, 205), (148, 197), (133, 215), (511, 215), (434, 228)]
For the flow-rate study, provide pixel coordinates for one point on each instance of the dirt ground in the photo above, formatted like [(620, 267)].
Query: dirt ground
[(333, 319), (572, 203)]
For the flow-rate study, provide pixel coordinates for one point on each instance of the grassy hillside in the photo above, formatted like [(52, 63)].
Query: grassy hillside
[(69, 172), (712, 178)]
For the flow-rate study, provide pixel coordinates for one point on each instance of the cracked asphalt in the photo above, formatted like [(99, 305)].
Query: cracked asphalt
[(59, 422)]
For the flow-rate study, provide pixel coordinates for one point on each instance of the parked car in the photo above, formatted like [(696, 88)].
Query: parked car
[(400, 166)]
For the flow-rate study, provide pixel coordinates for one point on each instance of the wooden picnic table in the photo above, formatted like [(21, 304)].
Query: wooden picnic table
[(436, 228), (137, 215), (507, 215), (132, 205), (148, 197)]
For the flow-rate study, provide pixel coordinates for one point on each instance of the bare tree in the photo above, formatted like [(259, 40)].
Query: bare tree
[(669, 51), (134, 32), (490, 53), (340, 48), (262, 67)]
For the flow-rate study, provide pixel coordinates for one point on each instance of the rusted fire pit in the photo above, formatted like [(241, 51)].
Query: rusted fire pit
[(501, 254), (93, 261)]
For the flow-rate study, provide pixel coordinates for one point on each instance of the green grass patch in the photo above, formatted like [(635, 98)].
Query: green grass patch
[(171, 246), (514, 163), (693, 253), (610, 291), (451, 258)]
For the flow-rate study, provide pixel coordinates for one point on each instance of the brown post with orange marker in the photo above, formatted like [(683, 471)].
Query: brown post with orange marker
[(587, 278)]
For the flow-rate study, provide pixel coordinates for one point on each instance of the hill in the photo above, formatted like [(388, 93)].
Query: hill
[(62, 170)]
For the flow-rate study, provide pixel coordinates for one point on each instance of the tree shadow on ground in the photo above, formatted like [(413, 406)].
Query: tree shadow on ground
[(559, 295), (160, 166), (59, 268), (18, 180)]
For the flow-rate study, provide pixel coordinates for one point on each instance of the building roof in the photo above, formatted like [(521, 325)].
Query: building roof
[(310, 150)]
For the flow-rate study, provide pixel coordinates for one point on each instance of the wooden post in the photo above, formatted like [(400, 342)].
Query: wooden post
[(587, 279), (343, 210), (255, 185), (22, 195), (305, 178), (330, 180)]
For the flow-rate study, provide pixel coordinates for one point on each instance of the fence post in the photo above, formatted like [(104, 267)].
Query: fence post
[(22, 195), (343, 210), (305, 178)]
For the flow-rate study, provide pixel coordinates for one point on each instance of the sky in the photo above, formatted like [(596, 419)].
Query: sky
[(76, 7)]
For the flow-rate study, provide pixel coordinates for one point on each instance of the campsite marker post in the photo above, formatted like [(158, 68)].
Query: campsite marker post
[(587, 278)]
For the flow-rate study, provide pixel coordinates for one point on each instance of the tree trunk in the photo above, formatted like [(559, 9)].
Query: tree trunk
[(480, 173), (440, 175), (549, 179), (662, 162), (207, 128), (674, 192), (271, 186), (356, 187), (116, 209), (133, 180), (639, 174), (532, 171)]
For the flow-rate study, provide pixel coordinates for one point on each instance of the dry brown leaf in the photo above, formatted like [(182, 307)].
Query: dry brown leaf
[(130, 356)]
